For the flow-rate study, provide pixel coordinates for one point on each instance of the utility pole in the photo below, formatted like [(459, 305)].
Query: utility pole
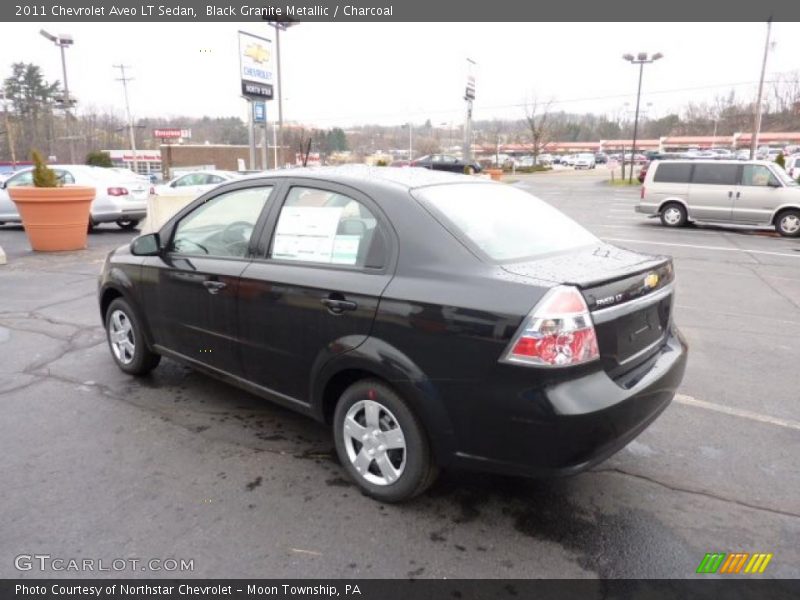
[(9, 133), (469, 96), (125, 81), (757, 118)]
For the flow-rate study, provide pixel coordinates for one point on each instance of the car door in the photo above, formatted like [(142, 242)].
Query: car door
[(758, 195), (711, 191), (191, 289), (328, 255)]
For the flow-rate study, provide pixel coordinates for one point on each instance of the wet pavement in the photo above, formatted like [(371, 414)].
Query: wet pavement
[(97, 464)]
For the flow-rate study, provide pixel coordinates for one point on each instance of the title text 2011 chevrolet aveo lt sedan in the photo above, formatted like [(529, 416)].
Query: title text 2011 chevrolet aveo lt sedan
[(434, 320)]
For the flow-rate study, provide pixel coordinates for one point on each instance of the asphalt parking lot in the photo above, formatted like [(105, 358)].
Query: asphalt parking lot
[(97, 465)]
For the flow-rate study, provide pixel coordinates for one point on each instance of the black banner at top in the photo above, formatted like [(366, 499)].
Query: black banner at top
[(396, 11)]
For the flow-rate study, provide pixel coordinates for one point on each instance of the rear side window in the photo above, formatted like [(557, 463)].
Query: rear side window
[(503, 222), (715, 174), (673, 173), (321, 226)]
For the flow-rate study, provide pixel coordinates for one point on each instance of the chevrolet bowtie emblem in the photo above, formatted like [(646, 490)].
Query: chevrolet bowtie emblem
[(651, 281), (257, 52)]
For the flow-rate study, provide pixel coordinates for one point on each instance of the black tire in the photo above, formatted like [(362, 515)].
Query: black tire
[(787, 221), (469, 170), (90, 227), (418, 468), (142, 360), (673, 214), (127, 224)]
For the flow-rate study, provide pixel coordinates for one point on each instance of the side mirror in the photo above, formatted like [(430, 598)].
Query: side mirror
[(146, 245), (773, 184), (173, 184)]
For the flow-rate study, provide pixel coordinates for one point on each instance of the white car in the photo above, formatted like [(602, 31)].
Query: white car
[(118, 199), (194, 183), (792, 166), (584, 161), (568, 160)]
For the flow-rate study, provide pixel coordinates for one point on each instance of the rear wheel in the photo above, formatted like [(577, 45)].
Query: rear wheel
[(673, 215), (381, 442), (469, 170), (127, 224), (126, 340), (787, 223)]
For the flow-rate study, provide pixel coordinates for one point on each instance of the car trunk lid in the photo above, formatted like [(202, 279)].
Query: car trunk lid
[(628, 294)]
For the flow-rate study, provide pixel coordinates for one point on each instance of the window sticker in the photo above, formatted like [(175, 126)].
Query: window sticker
[(306, 233)]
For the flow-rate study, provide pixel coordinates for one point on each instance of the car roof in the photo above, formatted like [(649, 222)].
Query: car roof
[(694, 161), (358, 175)]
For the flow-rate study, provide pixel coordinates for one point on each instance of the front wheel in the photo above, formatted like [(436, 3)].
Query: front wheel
[(127, 224), (126, 340), (788, 223), (381, 442), (673, 215)]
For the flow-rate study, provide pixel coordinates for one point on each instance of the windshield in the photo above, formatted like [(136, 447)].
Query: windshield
[(503, 222), (784, 177)]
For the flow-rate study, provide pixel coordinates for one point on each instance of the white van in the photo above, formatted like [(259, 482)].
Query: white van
[(722, 191)]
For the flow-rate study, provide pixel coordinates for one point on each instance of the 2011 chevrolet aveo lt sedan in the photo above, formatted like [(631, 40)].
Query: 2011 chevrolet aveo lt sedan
[(433, 320)]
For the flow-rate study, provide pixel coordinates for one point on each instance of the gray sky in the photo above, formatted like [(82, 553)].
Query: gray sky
[(343, 74)]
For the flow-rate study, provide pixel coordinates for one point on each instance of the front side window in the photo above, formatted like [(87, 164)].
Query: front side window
[(503, 222), (25, 178), (223, 225), (321, 226), (191, 179), (759, 176)]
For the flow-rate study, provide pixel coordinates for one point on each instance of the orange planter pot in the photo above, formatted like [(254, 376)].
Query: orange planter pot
[(54, 218), (495, 174)]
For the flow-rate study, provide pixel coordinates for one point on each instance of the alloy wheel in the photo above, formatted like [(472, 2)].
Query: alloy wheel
[(672, 215), (790, 224), (121, 337), (374, 442)]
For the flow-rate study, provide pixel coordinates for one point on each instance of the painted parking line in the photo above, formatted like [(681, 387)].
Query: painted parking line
[(700, 247), (736, 412)]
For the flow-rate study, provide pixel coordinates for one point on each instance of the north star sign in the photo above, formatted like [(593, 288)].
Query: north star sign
[(256, 70)]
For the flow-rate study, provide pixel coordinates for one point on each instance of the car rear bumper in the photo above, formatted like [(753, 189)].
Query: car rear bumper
[(132, 213), (647, 209), (565, 428)]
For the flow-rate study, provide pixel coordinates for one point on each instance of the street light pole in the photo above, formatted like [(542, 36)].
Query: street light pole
[(757, 117), (63, 40), (410, 144), (640, 59), (280, 26), (131, 132)]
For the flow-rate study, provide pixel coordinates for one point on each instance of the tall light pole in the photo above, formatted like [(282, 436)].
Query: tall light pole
[(125, 81), (757, 117), (641, 59), (469, 96), (410, 142), (280, 26), (64, 40)]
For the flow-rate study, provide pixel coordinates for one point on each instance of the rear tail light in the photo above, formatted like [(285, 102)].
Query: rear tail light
[(117, 191), (558, 332)]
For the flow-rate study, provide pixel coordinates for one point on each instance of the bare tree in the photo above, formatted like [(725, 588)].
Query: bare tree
[(537, 118)]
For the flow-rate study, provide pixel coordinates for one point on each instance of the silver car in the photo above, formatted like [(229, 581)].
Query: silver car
[(119, 198), (755, 193)]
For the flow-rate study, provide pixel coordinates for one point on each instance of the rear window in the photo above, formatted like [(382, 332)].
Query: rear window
[(715, 174), (503, 222), (673, 173)]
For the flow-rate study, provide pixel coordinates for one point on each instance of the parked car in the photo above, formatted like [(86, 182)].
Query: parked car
[(584, 161), (119, 199), (400, 163), (601, 158), (195, 183), (430, 319), (568, 160), (446, 162), (792, 166), (722, 191), (545, 159)]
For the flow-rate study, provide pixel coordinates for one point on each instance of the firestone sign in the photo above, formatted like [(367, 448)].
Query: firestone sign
[(256, 66), (172, 133)]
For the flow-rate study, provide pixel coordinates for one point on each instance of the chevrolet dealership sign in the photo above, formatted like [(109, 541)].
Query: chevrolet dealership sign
[(256, 66)]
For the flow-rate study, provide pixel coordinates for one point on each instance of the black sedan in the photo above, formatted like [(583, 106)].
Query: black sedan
[(445, 162), (433, 320)]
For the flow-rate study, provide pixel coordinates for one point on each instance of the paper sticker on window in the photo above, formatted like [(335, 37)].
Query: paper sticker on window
[(306, 233), (345, 249)]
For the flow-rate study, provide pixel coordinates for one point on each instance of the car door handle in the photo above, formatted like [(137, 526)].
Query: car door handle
[(738, 194), (213, 286), (338, 306), (730, 194)]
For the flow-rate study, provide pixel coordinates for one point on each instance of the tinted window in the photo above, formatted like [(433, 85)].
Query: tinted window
[(321, 226), (673, 173), (223, 225), (503, 222), (715, 174)]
